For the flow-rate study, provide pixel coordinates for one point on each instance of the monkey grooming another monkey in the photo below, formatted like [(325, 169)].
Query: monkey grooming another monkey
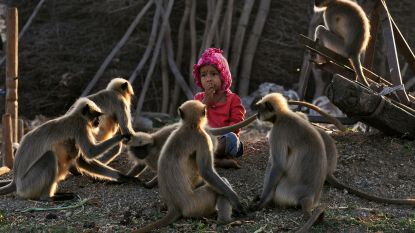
[(45, 153), (188, 154), (115, 102), (332, 155), (346, 31), (144, 149), (296, 168)]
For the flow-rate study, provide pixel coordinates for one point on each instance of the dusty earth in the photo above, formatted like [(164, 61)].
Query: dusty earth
[(372, 162)]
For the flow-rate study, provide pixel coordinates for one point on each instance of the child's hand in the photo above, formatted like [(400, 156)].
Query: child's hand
[(209, 95)]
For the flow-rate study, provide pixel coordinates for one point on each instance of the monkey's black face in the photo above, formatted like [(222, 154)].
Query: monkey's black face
[(95, 122), (140, 152), (265, 112)]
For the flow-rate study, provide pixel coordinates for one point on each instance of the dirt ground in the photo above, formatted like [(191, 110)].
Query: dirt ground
[(372, 162)]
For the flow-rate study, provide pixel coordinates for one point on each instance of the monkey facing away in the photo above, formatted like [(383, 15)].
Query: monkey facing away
[(332, 156), (45, 153), (296, 168), (188, 153), (144, 148), (346, 31)]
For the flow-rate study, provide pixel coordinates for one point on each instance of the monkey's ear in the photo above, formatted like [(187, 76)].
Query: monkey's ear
[(181, 113), (85, 109), (269, 107)]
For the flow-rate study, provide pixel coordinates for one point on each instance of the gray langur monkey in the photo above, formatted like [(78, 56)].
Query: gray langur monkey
[(144, 148), (114, 101), (188, 153), (297, 164), (45, 153), (332, 156), (346, 31)]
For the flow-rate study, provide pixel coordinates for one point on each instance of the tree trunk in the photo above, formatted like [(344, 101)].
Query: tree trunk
[(251, 47), (371, 108)]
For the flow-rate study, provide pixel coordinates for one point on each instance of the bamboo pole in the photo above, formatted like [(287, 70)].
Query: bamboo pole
[(11, 68), (7, 141)]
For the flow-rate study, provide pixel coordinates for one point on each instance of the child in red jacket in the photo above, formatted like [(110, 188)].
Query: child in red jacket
[(212, 75)]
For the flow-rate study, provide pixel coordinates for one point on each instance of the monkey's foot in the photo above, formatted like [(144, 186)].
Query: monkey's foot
[(227, 163), (316, 217)]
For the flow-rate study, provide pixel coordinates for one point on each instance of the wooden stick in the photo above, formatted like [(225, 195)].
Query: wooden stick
[(7, 141), (12, 69), (117, 47), (20, 130), (392, 55), (154, 59)]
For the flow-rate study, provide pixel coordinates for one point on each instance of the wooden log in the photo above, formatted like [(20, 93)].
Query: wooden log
[(7, 141), (12, 69), (371, 108)]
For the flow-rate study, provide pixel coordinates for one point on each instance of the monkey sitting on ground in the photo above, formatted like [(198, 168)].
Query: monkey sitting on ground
[(188, 153), (144, 149), (346, 31), (332, 156), (45, 153), (297, 164), (114, 101)]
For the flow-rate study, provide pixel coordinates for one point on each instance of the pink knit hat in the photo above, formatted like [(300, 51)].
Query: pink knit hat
[(214, 57)]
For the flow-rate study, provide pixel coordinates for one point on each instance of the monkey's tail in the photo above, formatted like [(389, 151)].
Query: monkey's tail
[(357, 66), (9, 188), (330, 118), (335, 183), (172, 216), (231, 128)]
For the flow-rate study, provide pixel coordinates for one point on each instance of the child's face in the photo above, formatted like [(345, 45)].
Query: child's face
[(210, 78)]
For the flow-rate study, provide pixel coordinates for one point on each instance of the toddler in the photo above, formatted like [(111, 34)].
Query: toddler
[(212, 75)]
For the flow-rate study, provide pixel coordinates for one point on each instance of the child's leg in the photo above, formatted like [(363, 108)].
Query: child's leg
[(228, 148)]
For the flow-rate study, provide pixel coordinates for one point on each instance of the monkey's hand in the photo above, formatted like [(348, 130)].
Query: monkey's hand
[(126, 138)]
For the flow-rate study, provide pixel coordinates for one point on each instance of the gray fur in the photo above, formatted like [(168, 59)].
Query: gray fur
[(188, 153), (45, 153), (296, 167), (346, 31)]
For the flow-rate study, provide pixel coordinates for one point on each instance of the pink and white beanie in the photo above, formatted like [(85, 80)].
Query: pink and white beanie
[(214, 57)]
